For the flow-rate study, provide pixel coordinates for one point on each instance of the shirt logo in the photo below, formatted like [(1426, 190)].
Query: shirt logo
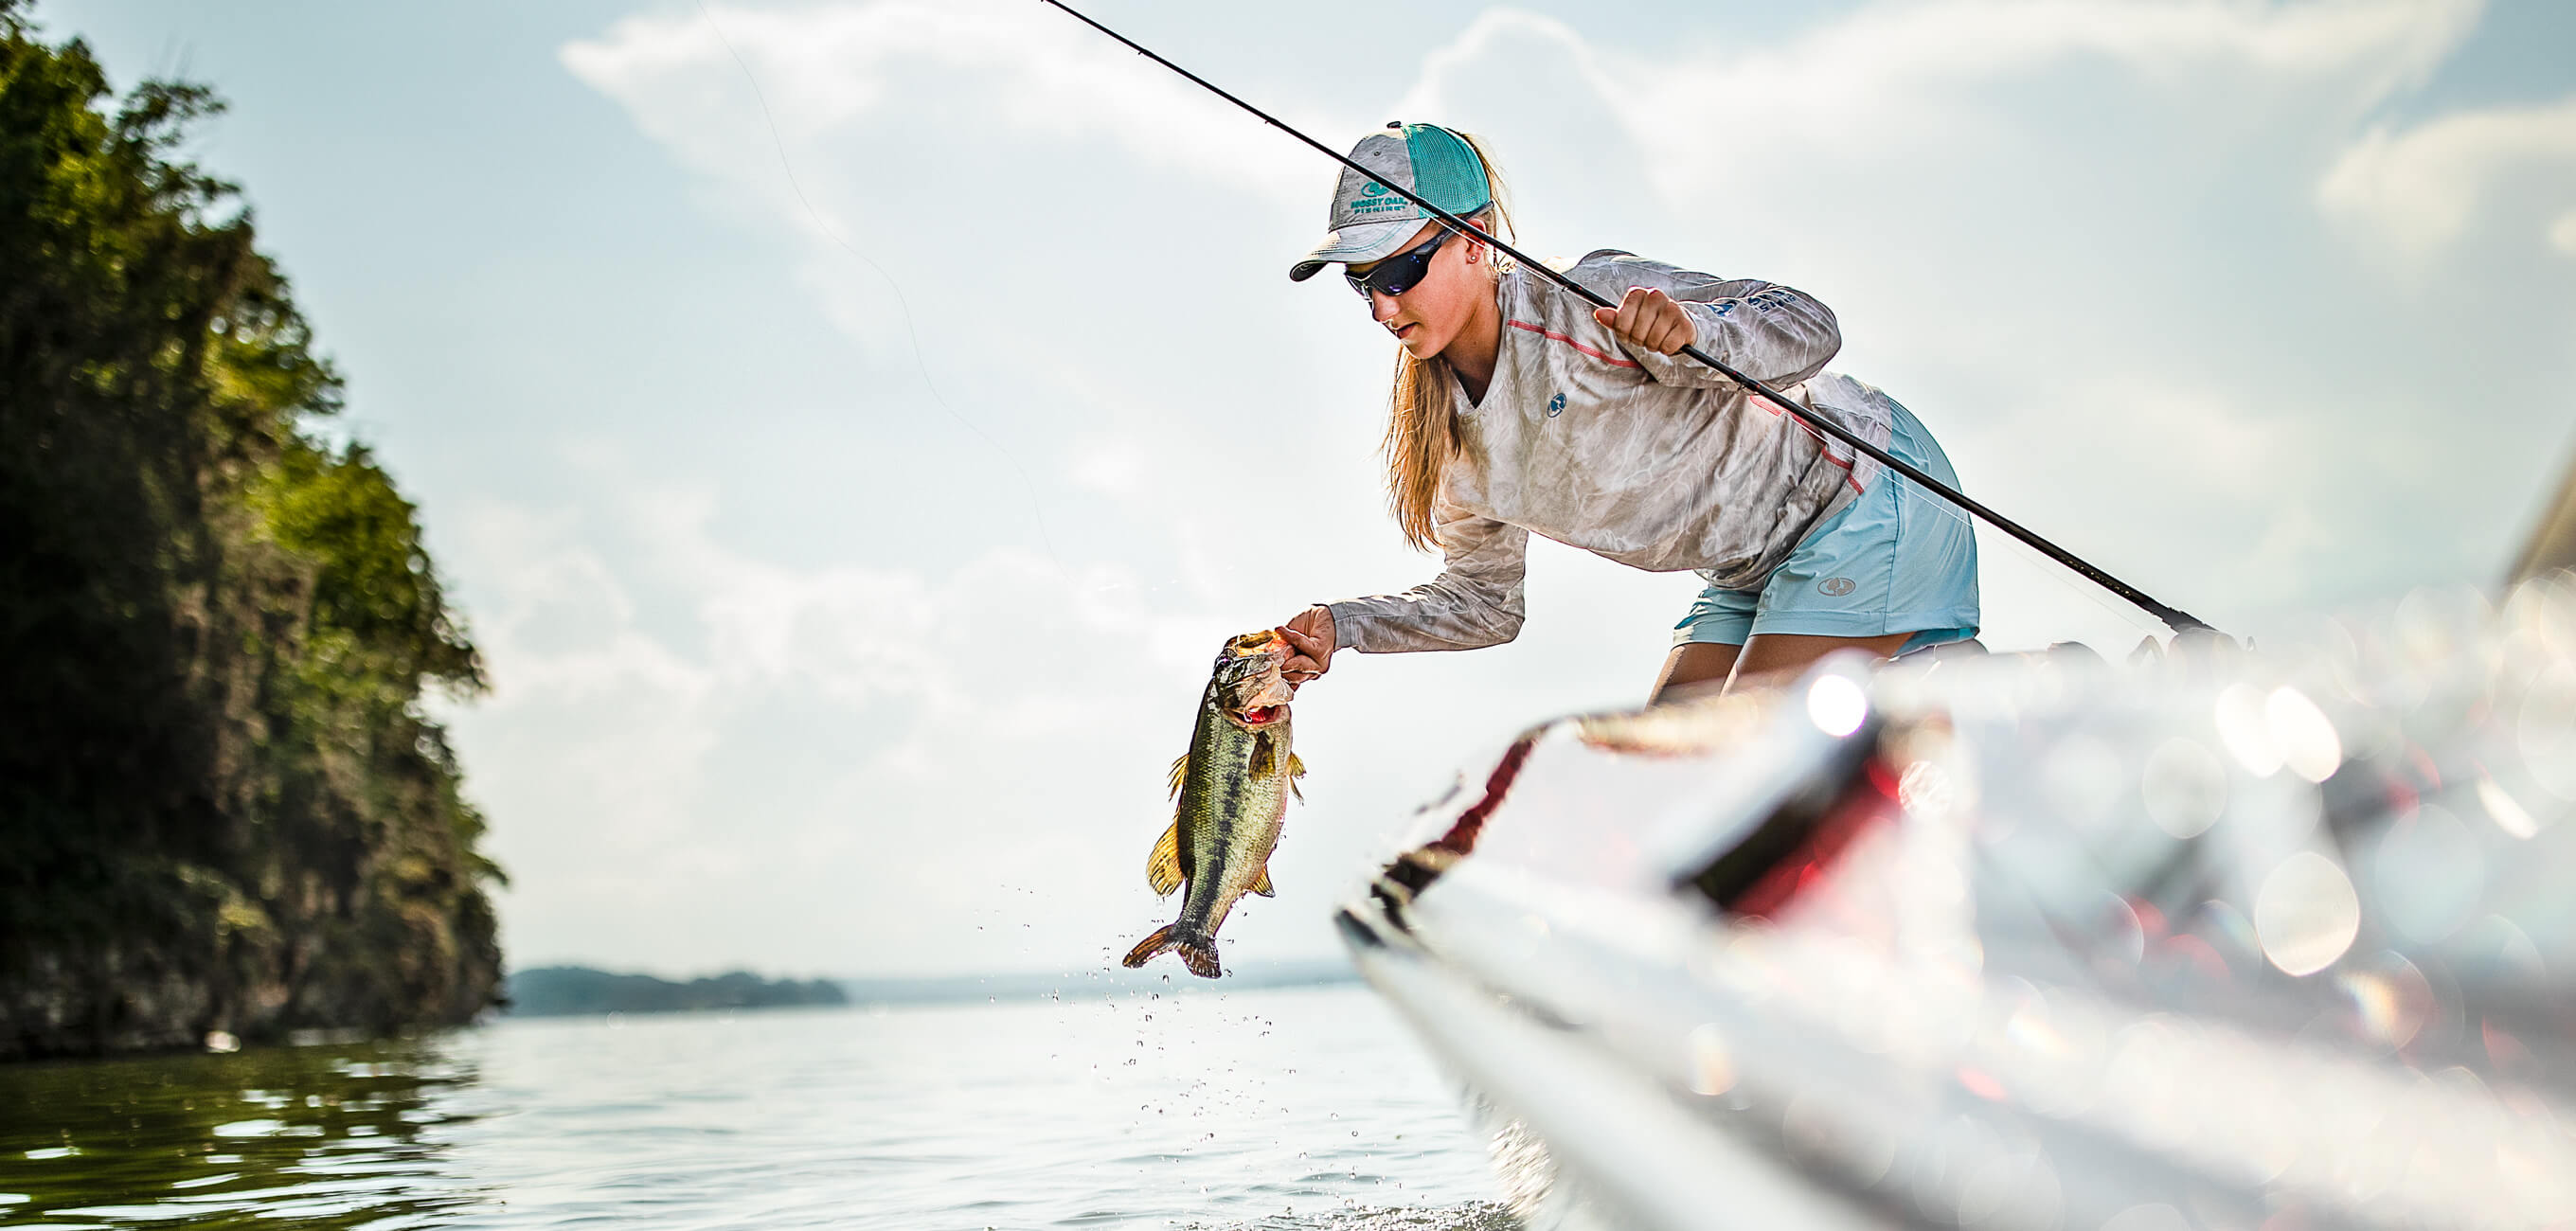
[(1836, 586), (1556, 406), (1373, 189)]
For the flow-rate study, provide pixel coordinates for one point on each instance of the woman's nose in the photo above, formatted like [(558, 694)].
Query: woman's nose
[(1381, 305)]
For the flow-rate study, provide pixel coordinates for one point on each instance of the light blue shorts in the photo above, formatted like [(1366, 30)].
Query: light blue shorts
[(1896, 559)]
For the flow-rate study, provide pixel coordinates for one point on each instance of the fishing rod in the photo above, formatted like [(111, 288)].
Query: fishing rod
[(2174, 617)]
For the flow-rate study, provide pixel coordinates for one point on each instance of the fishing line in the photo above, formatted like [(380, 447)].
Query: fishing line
[(2125, 615), (1028, 486), (2174, 617)]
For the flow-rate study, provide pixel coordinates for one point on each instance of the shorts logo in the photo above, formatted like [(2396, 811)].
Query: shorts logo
[(1556, 406), (1836, 586)]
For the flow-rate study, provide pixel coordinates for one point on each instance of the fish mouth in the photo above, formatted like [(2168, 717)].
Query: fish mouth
[(1248, 679), (1258, 715), (1253, 646)]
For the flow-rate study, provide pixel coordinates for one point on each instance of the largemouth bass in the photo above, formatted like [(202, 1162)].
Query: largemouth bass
[(1232, 791)]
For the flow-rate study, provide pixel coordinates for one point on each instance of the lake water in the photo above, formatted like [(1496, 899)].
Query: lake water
[(1276, 1109)]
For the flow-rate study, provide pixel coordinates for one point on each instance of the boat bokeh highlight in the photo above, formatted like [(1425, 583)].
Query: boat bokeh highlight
[(2205, 938)]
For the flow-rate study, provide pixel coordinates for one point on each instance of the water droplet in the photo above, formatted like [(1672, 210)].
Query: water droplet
[(2306, 913), (2246, 733), (2391, 1000), (1837, 705), (2306, 739), (2509, 815)]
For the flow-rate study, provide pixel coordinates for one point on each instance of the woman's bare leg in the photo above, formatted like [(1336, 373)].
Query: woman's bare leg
[(1767, 657), (1702, 664), (1775, 656)]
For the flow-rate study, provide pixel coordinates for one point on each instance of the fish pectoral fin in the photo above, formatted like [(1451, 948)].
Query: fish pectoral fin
[(1296, 770), (1262, 884), (1180, 769), (1163, 865)]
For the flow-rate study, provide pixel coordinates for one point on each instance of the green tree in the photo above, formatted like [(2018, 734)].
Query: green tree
[(222, 805)]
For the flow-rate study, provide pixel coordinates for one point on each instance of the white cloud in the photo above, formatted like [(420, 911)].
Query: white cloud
[(1914, 85), (2417, 190), (959, 719), (824, 69)]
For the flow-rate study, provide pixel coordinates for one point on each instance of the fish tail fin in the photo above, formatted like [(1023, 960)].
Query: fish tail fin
[(1197, 952)]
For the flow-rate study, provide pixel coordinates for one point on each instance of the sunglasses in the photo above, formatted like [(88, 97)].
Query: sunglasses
[(1399, 273)]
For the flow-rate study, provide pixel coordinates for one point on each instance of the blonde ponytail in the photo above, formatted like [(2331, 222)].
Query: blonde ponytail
[(1421, 426), (1421, 433)]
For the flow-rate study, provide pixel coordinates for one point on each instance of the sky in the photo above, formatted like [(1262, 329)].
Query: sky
[(850, 428)]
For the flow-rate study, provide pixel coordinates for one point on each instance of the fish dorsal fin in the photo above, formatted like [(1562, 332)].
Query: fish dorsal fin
[(1163, 866), (1262, 886), (1180, 770), (1296, 770)]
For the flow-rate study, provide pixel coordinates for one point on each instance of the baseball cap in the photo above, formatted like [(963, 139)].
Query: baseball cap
[(1368, 222)]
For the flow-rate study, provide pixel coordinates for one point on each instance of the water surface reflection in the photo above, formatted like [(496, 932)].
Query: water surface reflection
[(329, 1136), (1294, 1107)]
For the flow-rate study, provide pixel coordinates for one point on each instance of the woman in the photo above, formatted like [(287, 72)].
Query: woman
[(1519, 408)]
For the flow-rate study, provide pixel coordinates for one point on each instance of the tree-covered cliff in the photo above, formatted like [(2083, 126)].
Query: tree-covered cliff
[(221, 804)]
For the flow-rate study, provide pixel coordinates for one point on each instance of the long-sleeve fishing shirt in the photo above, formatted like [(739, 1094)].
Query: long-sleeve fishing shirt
[(1648, 459)]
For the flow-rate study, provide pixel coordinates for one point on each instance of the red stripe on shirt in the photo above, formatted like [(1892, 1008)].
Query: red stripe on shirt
[(1550, 333), (1828, 442)]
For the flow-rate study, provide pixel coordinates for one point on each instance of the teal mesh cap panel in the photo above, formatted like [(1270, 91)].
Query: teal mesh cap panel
[(1446, 170)]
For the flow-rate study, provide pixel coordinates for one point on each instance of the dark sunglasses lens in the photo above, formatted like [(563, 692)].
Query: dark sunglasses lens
[(1394, 276)]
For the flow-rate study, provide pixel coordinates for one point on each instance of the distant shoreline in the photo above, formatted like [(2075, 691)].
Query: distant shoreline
[(580, 991)]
